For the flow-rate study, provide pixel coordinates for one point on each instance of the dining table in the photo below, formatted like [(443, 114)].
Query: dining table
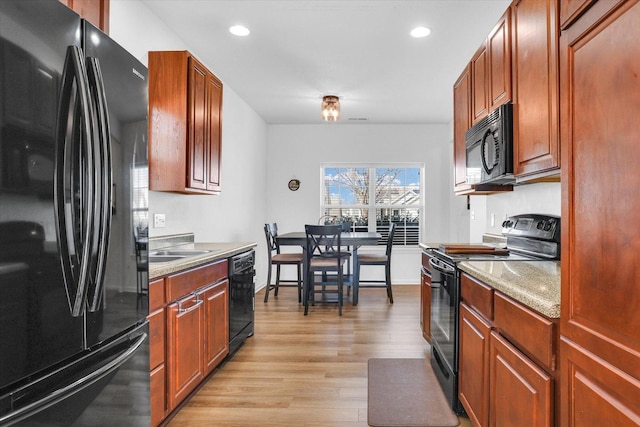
[(352, 239)]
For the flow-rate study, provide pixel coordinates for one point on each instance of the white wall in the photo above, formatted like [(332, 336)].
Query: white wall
[(239, 212), (540, 198), (299, 150)]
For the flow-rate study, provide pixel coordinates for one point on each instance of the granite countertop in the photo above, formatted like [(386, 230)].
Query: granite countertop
[(535, 284), (218, 250)]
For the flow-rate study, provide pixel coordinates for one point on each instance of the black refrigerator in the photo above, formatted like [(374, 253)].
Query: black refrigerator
[(73, 205)]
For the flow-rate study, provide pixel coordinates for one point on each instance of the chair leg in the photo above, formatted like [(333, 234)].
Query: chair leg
[(340, 293), (387, 271), (277, 280), (299, 283), (266, 294), (307, 292)]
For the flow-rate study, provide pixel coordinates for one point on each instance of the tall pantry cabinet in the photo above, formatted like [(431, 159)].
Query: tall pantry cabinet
[(600, 102)]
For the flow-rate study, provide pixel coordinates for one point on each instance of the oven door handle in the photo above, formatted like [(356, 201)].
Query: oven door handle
[(442, 267)]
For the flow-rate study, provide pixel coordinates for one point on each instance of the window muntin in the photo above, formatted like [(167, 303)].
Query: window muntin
[(397, 197)]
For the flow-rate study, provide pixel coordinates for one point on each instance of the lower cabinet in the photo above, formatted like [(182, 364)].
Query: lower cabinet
[(185, 338), (189, 333), (473, 382), (507, 359), (521, 393)]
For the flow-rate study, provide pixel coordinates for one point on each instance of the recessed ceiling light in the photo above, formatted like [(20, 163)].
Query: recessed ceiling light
[(420, 32), (239, 30)]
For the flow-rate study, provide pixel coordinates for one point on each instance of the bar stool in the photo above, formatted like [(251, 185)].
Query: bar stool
[(278, 259)]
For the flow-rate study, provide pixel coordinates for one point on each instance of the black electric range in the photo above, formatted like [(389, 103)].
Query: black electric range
[(529, 237)]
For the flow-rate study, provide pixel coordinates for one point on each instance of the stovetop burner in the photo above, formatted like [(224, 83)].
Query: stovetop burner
[(529, 237)]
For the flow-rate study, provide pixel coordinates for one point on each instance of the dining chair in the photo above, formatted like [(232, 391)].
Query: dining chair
[(324, 255), (142, 269), (379, 260), (279, 259)]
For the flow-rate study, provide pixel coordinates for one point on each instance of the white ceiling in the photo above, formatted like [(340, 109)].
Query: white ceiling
[(359, 50)]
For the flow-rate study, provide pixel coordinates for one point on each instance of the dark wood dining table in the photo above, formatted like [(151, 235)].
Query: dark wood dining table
[(353, 239)]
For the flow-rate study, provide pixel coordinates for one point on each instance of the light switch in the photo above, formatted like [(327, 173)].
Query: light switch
[(158, 220)]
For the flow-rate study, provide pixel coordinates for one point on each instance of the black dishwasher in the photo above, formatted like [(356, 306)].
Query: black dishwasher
[(241, 298)]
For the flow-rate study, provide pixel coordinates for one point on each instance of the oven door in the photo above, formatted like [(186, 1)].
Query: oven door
[(445, 297)]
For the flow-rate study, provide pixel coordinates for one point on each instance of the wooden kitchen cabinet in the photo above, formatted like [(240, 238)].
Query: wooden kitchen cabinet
[(473, 382), (185, 124), (216, 324), (483, 85), (461, 124), (94, 11), (600, 338), (185, 339), (188, 333), (157, 349), (479, 87), (425, 298), (521, 393), (507, 359), (536, 137)]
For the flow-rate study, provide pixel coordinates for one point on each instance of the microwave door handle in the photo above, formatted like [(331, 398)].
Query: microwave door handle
[(67, 219), (103, 174)]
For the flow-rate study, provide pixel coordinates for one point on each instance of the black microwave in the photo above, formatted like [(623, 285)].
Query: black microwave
[(489, 146)]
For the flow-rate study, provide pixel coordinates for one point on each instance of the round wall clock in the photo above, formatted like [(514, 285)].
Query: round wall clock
[(294, 184)]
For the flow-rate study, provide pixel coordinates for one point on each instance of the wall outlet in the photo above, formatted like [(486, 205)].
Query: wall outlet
[(158, 220)]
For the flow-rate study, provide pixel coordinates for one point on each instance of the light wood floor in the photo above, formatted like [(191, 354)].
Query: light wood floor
[(309, 370)]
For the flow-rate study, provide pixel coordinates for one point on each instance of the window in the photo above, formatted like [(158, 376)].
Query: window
[(369, 198)]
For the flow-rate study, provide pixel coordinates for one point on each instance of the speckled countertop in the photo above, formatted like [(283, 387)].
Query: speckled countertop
[(535, 284), (218, 250)]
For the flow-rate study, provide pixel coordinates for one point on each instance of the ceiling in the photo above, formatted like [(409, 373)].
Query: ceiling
[(361, 51)]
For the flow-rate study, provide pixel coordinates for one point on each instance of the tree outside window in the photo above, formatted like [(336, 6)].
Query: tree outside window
[(397, 197)]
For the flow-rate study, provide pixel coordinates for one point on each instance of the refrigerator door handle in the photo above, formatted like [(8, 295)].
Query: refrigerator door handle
[(73, 172), (65, 391), (103, 180)]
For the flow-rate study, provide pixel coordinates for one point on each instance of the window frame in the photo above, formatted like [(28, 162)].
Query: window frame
[(400, 239)]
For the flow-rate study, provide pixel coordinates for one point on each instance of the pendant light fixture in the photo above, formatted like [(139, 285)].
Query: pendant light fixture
[(330, 108)]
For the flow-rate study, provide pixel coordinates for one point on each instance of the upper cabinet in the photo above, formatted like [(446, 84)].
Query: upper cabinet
[(94, 11), (600, 100), (185, 123), (536, 139), (484, 85)]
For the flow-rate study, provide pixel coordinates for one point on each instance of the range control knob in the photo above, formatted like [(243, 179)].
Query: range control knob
[(547, 226), (540, 225)]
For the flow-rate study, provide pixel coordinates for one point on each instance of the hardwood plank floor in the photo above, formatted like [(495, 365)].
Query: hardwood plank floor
[(309, 370)]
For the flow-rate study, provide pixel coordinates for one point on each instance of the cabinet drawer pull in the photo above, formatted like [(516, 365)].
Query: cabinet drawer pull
[(194, 306)]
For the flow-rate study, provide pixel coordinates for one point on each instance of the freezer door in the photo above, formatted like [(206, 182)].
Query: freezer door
[(64, 396)]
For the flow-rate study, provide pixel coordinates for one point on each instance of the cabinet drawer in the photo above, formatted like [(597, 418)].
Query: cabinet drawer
[(157, 333), (156, 295), (531, 332), (477, 295), (181, 284)]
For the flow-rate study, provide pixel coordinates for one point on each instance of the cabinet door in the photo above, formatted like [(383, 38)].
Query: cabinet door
[(214, 155), (198, 116), (158, 392), (473, 380), (521, 394), (600, 64), (499, 51), (535, 87), (94, 11), (461, 123), (216, 324), (480, 96), (184, 348)]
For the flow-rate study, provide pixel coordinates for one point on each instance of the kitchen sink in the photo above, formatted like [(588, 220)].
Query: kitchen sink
[(179, 252), (165, 258)]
